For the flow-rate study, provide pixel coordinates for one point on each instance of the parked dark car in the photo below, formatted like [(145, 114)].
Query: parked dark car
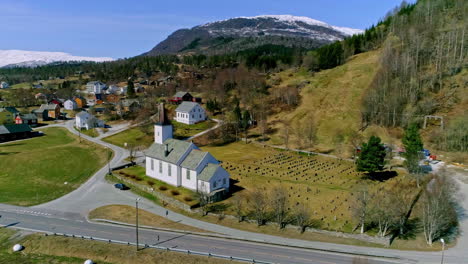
[(121, 186)]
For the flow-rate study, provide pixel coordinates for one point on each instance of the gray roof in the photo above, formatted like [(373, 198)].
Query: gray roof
[(82, 114), (193, 159), (186, 107), (10, 109), (94, 82), (208, 172), (28, 116), (129, 102), (177, 148), (47, 107), (180, 94), (11, 129)]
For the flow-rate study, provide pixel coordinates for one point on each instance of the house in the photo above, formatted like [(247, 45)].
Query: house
[(80, 102), (127, 105), (190, 113), (164, 80), (30, 119), (56, 101), (8, 115), (181, 97), (48, 111), (4, 85), (87, 121), (112, 89), (182, 163), (95, 87), (13, 132), (122, 90), (70, 104)]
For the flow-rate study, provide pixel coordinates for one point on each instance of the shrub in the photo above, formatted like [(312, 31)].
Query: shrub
[(162, 188), (175, 192), (132, 176), (188, 199), (138, 178), (150, 182)]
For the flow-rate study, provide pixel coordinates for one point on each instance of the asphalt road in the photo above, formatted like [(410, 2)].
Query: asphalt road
[(40, 221)]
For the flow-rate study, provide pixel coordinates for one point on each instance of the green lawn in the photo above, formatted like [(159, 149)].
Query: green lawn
[(144, 136), (41, 169), (90, 132)]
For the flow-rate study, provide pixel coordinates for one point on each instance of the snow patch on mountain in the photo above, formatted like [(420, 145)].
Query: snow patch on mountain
[(36, 58), (297, 27)]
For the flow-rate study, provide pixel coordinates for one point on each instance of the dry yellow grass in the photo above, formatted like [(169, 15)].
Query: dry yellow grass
[(103, 252), (325, 185), (126, 214), (332, 101)]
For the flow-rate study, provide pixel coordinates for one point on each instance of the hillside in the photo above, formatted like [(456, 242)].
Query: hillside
[(240, 33), (330, 102)]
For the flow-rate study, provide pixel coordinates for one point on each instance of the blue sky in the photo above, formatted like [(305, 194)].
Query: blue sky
[(125, 28)]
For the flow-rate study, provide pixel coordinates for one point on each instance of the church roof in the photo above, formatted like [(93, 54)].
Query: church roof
[(177, 148), (193, 159), (208, 172)]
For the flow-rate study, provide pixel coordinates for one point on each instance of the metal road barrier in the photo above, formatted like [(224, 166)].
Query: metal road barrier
[(188, 252)]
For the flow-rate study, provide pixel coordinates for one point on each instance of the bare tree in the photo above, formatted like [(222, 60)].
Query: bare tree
[(438, 213), (302, 217), (279, 204), (238, 206), (382, 211), (361, 206), (259, 206)]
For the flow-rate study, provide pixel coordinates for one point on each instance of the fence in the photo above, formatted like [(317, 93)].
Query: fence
[(186, 251)]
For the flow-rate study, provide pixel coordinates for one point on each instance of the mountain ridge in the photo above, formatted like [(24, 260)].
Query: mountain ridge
[(231, 35), (24, 58)]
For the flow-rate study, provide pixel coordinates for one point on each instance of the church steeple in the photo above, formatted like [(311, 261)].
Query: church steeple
[(163, 128)]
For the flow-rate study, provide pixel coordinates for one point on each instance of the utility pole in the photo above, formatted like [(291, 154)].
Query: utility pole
[(136, 201)]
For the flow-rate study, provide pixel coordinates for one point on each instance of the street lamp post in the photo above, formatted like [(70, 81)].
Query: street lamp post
[(136, 201), (108, 159), (443, 248)]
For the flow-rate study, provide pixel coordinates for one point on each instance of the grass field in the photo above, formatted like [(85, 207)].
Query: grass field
[(144, 136), (41, 249), (41, 169), (137, 175), (331, 100), (126, 214)]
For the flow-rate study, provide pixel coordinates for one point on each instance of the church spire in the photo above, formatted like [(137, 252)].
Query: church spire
[(163, 120)]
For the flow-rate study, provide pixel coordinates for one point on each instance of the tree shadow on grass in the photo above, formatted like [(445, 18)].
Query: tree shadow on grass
[(7, 153), (411, 229), (381, 176)]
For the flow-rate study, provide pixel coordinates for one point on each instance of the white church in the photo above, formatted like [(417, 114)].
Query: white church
[(182, 163)]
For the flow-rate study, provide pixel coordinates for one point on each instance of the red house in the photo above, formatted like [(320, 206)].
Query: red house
[(180, 97)]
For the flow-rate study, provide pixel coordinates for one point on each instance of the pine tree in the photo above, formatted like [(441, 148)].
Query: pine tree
[(372, 156), (413, 146), (131, 89)]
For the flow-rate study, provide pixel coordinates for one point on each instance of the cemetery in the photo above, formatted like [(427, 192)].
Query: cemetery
[(324, 185)]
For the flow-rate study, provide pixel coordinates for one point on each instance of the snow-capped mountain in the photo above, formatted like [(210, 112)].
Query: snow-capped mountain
[(22, 58), (230, 35)]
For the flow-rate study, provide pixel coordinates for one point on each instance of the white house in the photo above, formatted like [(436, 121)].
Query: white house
[(87, 121), (70, 105), (182, 163), (190, 113), (95, 87), (4, 85), (112, 89)]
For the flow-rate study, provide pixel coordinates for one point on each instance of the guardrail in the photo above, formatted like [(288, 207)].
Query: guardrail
[(186, 251)]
